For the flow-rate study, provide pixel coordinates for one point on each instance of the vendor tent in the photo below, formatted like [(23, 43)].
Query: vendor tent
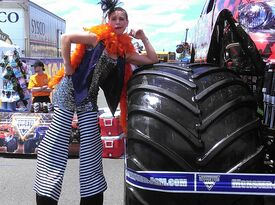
[(4, 47)]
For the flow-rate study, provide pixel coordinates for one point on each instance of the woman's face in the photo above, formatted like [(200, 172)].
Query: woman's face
[(118, 21)]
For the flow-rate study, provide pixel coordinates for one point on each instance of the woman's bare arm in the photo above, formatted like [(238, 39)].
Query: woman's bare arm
[(150, 57), (78, 38)]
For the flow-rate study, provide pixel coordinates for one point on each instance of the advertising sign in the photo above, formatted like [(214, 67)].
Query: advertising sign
[(44, 27), (34, 29), (210, 183), (45, 30), (21, 133), (12, 26)]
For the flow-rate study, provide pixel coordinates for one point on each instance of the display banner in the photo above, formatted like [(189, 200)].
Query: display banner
[(161, 181), (21, 133), (210, 183), (25, 124)]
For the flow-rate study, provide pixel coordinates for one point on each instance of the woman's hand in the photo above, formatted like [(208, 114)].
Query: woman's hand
[(138, 34), (150, 57)]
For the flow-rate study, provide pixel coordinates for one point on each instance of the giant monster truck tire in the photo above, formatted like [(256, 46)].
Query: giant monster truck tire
[(199, 118)]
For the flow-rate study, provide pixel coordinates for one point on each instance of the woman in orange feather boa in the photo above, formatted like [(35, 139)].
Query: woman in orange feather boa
[(76, 88)]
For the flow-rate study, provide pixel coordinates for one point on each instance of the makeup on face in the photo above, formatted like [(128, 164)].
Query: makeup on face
[(118, 21)]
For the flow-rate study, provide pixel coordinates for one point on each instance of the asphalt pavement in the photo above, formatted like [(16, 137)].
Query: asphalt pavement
[(17, 178)]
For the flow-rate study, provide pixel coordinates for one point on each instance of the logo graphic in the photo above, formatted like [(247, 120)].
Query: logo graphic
[(25, 124), (4, 37), (209, 180)]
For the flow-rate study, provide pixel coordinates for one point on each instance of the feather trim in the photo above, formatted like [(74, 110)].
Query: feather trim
[(76, 58), (123, 98), (115, 44)]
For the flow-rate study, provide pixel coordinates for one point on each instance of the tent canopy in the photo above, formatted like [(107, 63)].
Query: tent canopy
[(4, 47)]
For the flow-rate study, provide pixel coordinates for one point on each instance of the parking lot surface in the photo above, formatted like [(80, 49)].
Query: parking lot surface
[(17, 177)]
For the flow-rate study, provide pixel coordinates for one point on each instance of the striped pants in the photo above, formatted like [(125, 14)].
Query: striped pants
[(53, 154)]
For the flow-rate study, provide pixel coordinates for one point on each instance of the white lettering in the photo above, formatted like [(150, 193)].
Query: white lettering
[(158, 181), (252, 184)]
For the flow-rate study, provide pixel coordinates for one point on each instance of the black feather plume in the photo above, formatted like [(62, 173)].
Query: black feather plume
[(108, 5)]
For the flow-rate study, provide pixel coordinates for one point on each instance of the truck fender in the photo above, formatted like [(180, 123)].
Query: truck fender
[(241, 36)]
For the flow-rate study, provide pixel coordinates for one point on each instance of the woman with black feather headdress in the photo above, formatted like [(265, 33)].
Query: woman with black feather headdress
[(76, 86), (108, 6)]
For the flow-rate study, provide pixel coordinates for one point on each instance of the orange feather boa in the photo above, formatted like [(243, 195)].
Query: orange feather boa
[(119, 45), (123, 98), (115, 44)]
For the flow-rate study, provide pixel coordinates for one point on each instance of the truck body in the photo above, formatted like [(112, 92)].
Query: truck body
[(34, 29), (240, 36), (254, 24)]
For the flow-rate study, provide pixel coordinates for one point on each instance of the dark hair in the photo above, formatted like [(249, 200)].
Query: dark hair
[(117, 9), (110, 6), (38, 63)]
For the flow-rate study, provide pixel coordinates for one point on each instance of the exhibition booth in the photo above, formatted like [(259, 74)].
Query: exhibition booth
[(21, 132), (23, 124)]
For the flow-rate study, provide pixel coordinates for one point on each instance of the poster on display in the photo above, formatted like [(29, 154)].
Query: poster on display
[(14, 95), (21, 133)]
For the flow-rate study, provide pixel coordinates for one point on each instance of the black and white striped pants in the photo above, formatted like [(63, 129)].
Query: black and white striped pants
[(53, 154)]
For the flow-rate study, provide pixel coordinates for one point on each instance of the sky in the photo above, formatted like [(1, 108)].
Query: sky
[(164, 22)]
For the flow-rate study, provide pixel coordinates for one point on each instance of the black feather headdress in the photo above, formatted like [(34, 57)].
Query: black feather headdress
[(108, 6)]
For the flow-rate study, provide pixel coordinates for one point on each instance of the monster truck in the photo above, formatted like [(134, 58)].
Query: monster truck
[(198, 128), (32, 141), (8, 138)]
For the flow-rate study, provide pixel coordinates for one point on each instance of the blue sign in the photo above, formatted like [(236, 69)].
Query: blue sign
[(161, 181), (212, 183)]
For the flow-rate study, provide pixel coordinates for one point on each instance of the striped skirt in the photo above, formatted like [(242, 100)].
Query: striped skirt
[(53, 154)]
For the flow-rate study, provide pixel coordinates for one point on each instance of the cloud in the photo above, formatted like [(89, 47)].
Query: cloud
[(164, 22)]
